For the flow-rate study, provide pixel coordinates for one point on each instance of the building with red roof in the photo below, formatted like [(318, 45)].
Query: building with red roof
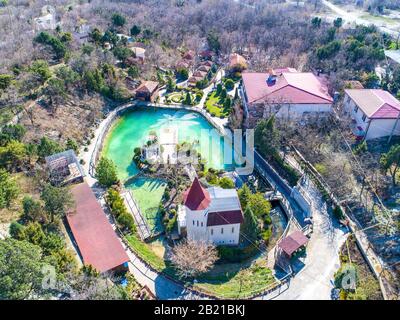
[(292, 243), (196, 198), (374, 112), (148, 91), (285, 93), (93, 235), (210, 215)]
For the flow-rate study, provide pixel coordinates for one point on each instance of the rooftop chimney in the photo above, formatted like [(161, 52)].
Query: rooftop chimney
[(271, 77)]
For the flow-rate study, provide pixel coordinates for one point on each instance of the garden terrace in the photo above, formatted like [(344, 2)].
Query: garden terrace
[(216, 105)]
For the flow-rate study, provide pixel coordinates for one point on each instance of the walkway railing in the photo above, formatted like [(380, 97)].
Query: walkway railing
[(143, 227)]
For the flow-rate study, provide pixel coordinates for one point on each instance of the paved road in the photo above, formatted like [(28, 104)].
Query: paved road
[(352, 17)]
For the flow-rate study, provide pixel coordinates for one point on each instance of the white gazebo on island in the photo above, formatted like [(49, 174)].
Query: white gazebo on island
[(165, 149)]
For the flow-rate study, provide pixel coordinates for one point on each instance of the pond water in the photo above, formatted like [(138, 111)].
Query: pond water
[(133, 128), (279, 223)]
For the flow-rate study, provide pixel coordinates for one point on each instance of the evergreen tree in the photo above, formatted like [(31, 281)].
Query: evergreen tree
[(244, 195), (106, 172), (57, 201), (250, 229), (8, 189), (188, 99)]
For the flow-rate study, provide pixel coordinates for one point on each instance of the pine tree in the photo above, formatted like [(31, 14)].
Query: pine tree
[(106, 173), (188, 99), (244, 196), (249, 228)]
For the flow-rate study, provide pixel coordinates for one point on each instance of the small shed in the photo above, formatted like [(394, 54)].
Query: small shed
[(64, 168), (293, 243)]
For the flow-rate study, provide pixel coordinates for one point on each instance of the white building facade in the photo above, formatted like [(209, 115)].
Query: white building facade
[(211, 215), (374, 113)]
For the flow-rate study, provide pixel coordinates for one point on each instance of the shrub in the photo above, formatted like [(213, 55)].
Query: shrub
[(126, 222), (223, 93), (321, 168), (229, 84), (171, 224), (17, 230), (266, 234), (226, 183), (346, 276), (219, 89), (118, 210), (199, 95), (236, 254)]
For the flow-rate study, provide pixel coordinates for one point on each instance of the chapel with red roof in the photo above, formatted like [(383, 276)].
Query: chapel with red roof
[(210, 215)]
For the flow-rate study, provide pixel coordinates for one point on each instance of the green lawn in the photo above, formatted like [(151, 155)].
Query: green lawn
[(230, 280), (237, 283), (148, 194), (214, 105), (179, 97)]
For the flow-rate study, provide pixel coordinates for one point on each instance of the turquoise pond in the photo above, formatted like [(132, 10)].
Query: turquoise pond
[(132, 129)]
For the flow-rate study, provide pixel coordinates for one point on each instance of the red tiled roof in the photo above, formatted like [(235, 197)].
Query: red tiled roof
[(289, 87), (96, 239), (194, 79), (204, 68), (196, 198), (182, 64), (189, 55), (199, 74), (206, 63), (293, 242), (375, 103), (224, 217), (148, 87)]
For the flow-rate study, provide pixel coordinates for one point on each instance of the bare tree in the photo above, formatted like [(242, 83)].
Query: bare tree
[(192, 258)]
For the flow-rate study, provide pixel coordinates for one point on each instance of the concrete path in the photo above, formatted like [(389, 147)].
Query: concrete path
[(314, 281)]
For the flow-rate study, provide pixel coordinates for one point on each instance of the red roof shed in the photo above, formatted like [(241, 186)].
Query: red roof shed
[(97, 242), (293, 242)]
